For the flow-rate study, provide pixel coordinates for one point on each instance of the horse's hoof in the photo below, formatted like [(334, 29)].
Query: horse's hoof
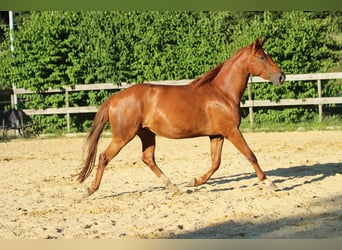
[(172, 187), (269, 185), (176, 191), (84, 196), (191, 183), (89, 192)]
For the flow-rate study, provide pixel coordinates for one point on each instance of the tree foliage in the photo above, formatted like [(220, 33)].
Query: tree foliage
[(55, 49)]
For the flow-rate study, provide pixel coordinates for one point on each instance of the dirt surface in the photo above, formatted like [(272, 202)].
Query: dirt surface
[(39, 198)]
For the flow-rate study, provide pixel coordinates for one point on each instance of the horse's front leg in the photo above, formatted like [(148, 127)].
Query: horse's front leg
[(216, 143), (239, 142)]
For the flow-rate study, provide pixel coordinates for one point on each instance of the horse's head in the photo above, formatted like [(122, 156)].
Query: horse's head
[(261, 64)]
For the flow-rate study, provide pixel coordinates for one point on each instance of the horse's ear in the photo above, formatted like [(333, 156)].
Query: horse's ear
[(255, 45), (261, 42), (258, 43)]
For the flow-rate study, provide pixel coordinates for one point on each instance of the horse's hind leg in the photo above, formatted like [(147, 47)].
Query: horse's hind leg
[(216, 143), (111, 151), (148, 140)]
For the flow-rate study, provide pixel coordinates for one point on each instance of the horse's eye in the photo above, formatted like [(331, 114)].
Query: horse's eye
[(262, 58)]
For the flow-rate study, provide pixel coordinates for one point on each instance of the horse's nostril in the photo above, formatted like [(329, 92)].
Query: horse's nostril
[(282, 78)]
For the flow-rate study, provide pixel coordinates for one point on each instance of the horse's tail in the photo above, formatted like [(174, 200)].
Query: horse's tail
[(99, 123)]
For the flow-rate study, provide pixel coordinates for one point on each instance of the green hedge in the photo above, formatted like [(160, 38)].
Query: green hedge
[(54, 49)]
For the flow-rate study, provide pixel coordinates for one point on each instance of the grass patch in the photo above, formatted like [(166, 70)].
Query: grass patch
[(328, 123)]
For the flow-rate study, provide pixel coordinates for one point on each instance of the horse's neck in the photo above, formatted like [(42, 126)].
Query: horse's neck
[(233, 78)]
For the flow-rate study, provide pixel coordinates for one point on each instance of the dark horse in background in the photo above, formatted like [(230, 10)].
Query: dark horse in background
[(208, 106), (13, 119)]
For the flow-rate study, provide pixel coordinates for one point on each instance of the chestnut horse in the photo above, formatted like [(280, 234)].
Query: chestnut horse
[(208, 106)]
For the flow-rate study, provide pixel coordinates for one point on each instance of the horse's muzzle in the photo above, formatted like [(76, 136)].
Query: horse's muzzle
[(278, 79)]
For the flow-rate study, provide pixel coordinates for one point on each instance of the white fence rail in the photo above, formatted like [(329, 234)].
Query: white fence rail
[(250, 103)]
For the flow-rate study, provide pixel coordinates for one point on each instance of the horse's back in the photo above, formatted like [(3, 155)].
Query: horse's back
[(166, 110)]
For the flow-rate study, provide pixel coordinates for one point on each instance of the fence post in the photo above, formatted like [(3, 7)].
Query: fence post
[(67, 112), (250, 108), (320, 105)]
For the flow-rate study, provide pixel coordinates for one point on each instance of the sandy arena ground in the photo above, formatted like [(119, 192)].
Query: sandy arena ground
[(39, 198)]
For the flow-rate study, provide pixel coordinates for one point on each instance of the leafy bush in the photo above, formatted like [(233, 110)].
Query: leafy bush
[(54, 49)]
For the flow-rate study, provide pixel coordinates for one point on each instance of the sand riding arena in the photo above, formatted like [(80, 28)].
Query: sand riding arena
[(39, 198)]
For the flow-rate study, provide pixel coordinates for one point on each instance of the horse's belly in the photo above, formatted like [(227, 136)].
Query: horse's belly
[(178, 127)]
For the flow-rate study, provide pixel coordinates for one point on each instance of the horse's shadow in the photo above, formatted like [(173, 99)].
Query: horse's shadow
[(316, 172), (313, 173), (134, 193)]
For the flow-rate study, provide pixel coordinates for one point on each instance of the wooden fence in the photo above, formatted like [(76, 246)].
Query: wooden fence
[(250, 103)]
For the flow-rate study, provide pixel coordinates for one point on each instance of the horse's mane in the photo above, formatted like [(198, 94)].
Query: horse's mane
[(210, 75), (207, 77)]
